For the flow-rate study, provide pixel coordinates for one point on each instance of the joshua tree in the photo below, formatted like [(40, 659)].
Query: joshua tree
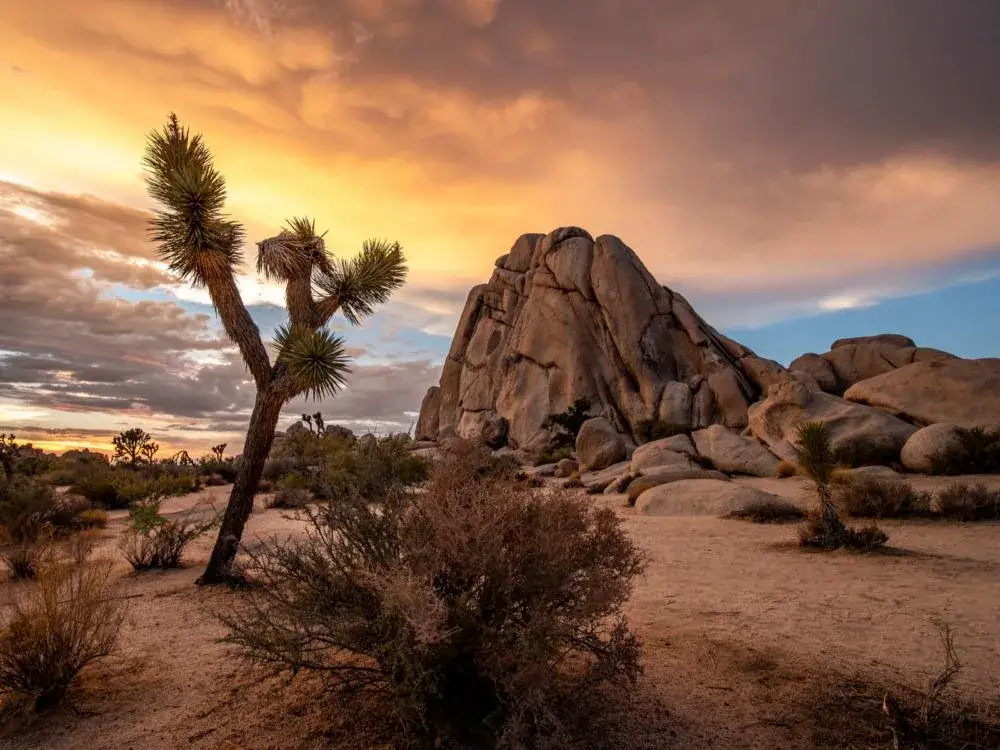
[(309, 421), (320, 427), (132, 444), (218, 450), (202, 245), (149, 451), (8, 451)]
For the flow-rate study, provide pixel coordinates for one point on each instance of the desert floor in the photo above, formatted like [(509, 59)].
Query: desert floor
[(749, 642)]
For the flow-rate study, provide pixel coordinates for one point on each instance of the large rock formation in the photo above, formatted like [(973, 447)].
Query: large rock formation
[(850, 361), (964, 392), (565, 317)]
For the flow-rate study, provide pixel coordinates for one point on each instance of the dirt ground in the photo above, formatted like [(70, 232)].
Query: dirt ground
[(746, 638)]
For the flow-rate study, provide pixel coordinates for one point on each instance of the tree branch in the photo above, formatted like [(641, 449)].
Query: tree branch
[(324, 309), (240, 327)]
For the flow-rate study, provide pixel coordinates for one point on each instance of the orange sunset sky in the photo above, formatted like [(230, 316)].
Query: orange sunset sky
[(775, 161)]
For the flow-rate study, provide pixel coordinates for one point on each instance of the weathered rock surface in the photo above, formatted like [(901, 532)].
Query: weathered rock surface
[(699, 497), (427, 423), (599, 444), (852, 360), (657, 453), (735, 453), (565, 317), (775, 420), (679, 444), (605, 476), (927, 444), (964, 392)]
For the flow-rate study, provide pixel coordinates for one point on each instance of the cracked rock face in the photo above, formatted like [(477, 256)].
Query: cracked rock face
[(565, 317)]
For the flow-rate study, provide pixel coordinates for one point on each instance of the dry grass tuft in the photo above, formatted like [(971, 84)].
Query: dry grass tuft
[(964, 502), (872, 497), (786, 469), (57, 626)]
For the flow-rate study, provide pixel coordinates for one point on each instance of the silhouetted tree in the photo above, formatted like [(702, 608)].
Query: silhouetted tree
[(218, 450), (205, 247), (8, 452), (131, 445)]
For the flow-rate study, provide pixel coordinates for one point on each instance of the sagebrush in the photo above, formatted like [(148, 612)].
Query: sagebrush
[(55, 628), (479, 606)]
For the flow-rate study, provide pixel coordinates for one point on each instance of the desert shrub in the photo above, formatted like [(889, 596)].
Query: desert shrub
[(25, 559), (786, 469), (479, 606), (566, 425), (370, 469), (553, 456), (92, 518), (225, 469), (864, 450), (291, 498), (815, 534), (768, 511), (648, 430), (117, 488), (56, 627), (965, 502), (27, 507), (872, 497), (975, 451), (153, 541)]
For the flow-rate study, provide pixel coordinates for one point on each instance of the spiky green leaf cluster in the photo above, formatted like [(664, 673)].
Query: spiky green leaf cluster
[(814, 452), (367, 280), (194, 237), (316, 359)]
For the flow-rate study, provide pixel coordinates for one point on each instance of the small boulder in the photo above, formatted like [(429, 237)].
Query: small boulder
[(494, 432), (545, 470), (599, 444), (604, 477), (927, 444), (734, 453), (566, 467), (657, 453), (699, 497), (681, 444), (818, 367)]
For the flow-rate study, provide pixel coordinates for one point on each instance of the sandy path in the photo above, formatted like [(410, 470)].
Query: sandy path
[(736, 623)]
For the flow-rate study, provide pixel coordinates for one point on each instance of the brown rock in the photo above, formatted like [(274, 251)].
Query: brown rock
[(775, 420), (599, 444), (566, 316), (963, 392)]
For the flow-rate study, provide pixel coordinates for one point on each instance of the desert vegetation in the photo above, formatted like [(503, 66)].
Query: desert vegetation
[(974, 451), (204, 246), (825, 529), (480, 609)]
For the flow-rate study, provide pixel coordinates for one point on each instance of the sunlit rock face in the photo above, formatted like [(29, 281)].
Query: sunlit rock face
[(566, 317)]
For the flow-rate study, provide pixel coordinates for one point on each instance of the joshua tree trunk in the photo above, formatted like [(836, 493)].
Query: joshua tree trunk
[(260, 435), (8, 469)]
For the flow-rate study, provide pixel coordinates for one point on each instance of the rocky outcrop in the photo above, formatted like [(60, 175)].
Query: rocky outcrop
[(775, 420), (599, 445), (734, 453), (852, 360), (658, 453), (927, 444), (430, 408), (699, 497), (963, 392), (566, 317)]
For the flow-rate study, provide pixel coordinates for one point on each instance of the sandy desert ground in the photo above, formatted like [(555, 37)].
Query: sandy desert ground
[(747, 639)]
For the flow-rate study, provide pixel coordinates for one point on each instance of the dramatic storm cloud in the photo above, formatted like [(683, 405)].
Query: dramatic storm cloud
[(771, 159)]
